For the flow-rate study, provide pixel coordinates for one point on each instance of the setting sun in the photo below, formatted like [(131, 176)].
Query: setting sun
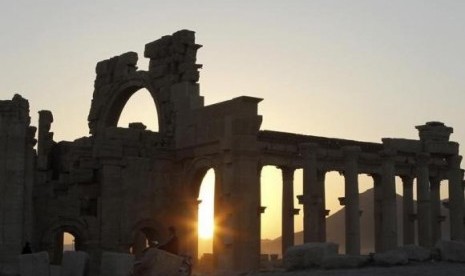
[(206, 210)]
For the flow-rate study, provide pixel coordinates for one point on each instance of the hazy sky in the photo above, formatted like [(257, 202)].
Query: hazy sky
[(352, 69)]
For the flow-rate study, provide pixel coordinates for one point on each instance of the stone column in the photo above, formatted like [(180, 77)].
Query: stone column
[(456, 200), (111, 208), (436, 217), (407, 210), (287, 208), (389, 204), (423, 201), (313, 196), (377, 211), (352, 209)]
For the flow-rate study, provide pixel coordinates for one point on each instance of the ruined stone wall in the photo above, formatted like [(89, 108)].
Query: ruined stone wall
[(16, 177)]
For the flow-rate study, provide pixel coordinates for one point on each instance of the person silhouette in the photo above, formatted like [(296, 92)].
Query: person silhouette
[(172, 245), (27, 249)]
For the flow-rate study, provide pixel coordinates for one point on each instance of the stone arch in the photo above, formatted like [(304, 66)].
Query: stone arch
[(197, 171), (50, 242), (194, 176), (108, 103)]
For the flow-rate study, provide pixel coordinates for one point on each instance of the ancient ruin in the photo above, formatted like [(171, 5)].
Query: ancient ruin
[(120, 186)]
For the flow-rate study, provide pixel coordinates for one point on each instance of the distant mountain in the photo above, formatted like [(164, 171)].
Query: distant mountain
[(335, 225)]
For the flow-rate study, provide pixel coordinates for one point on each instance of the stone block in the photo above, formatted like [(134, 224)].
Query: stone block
[(36, 264), (55, 270), (9, 269), (308, 255), (415, 252), (391, 257), (344, 261), (75, 263), (116, 264), (452, 251), (158, 262)]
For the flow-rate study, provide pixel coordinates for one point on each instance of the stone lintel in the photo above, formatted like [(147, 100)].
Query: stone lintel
[(403, 145), (443, 148), (351, 151)]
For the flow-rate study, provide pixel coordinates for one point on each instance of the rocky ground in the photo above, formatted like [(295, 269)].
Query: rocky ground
[(420, 269)]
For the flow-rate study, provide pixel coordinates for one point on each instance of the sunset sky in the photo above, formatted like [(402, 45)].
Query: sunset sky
[(358, 70)]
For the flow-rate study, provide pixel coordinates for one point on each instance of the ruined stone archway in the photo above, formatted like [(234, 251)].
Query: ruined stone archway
[(195, 176), (52, 239), (139, 112), (109, 100)]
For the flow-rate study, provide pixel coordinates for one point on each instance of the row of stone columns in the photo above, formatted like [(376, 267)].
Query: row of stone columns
[(385, 207)]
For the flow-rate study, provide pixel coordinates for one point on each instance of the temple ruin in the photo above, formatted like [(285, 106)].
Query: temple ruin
[(118, 187)]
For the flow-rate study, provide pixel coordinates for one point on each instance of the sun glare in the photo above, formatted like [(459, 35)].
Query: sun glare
[(206, 209)]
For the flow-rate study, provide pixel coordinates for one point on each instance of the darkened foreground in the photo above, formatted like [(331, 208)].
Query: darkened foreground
[(423, 269)]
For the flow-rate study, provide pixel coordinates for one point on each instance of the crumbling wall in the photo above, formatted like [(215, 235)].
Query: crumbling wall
[(16, 177)]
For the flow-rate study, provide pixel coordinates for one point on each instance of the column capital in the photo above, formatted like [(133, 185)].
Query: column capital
[(407, 179), (286, 168)]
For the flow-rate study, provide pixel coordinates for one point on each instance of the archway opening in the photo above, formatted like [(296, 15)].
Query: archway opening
[(444, 210), (271, 188), (366, 204), (64, 241), (206, 220), (140, 108), (335, 221), (69, 242)]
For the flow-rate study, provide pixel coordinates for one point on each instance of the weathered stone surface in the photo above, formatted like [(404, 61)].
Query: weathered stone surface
[(391, 257), (344, 261), (116, 264), (158, 262), (9, 269), (55, 270), (75, 263), (308, 255), (453, 251), (36, 264), (415, 252)]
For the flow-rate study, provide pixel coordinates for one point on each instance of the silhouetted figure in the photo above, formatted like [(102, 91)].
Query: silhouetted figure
[(172, 245), (27, 249)]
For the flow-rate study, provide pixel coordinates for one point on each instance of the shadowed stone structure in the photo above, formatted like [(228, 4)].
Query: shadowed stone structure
[(119, 187)]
